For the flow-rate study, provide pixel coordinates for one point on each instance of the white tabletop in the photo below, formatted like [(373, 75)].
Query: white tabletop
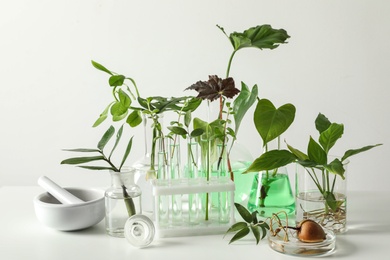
[(23, 237)]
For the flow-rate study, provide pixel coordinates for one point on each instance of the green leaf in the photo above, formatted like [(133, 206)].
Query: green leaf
[(101, 67), (351, 152), (105, 138), (80, 160), (120, 108), (271, 122), (316, 153), (236, 227), (124, 98), (187, 118), (256, 233), (300, 155), (82, 150), (244, 213), (116, 80), (271, 160), (143, 102), (96, 168), (240, 234), (242, 103), (134, 119), (261, 36), (102, 116), (127, 152), (322, 123), (191, 105), (177, 130), (329, 137), (118, 138), (336, 167), (200, 124), (264, 227), (196, 132)]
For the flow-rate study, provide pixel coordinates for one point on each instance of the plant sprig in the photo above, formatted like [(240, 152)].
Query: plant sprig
[(108, 134), (252, 224)]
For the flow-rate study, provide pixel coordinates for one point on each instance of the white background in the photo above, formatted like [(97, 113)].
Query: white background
[(336, 62)]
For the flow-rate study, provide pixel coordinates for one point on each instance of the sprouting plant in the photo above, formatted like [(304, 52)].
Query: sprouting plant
[(307, 231), (100, 155), (317, 162), (270, 123)]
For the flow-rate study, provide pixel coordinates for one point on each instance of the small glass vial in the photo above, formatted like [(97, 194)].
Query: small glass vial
[(123, 200)]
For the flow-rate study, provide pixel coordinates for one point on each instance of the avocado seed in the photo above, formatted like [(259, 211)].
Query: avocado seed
[(310, 231)]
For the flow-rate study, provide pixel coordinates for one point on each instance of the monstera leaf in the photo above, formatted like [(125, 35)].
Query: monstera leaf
[(261, 36), (271, 122)]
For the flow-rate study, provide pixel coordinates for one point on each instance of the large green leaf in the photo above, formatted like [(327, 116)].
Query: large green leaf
[(105, 138), (242, 103), (261, 36), (322, 123), (271, 122), (271, 160), (316, 153), (351, 152), (329, 137)]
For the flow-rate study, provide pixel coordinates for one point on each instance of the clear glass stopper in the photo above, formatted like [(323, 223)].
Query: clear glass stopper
[(139, 230)]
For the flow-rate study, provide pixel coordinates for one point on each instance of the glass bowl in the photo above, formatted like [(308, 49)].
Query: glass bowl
[(297, 248)]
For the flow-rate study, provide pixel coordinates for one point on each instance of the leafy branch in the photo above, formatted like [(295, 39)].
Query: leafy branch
[(251, 223), (100, 150)]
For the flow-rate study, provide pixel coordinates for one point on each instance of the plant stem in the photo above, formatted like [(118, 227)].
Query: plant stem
[(315, 180), (129, 202), (109, 162), (230, 63)]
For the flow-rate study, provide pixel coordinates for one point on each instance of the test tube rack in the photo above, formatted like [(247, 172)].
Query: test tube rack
[(180, 212)]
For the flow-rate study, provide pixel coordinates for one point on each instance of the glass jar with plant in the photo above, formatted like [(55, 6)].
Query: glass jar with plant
[(325, 204), (271, 190), (123, 198)]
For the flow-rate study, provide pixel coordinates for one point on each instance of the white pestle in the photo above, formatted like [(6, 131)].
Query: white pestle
[(62, 195)]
